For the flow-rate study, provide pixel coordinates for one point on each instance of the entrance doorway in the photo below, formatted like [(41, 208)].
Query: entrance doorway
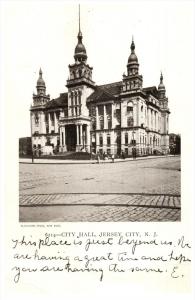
[(71, 137)]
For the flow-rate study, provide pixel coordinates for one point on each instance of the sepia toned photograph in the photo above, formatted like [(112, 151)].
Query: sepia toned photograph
[(100, 133)]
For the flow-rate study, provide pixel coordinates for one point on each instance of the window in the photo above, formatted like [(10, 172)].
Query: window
[(101, 140), (118, 114), (76, 98), (129, 108), (101, 110), (52, 119), (46, 118), (130, 122), (108, 140), (109, 123), (101, 124), (126, 138), (36, 118), (142, 108), (93, 124), (108, 151)]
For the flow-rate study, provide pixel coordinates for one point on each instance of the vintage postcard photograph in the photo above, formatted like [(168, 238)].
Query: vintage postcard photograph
[(106, 145), (97, 149)]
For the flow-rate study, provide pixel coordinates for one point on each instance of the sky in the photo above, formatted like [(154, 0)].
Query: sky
[(43, 34)]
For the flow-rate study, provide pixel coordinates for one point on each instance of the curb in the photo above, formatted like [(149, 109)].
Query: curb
[(95, 162)]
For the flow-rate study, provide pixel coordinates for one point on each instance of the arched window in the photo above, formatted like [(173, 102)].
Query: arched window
[(80, 73), (36, 118), (126, 138), (101, 140), (130, 121), (75, 98), (130, 107)]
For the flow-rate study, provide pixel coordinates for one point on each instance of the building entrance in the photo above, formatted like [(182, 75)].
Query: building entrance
[(71, 137)]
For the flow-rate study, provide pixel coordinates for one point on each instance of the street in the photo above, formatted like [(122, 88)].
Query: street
[(141, 190)]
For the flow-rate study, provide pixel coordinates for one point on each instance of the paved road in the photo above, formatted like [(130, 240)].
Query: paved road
[(151, 187)]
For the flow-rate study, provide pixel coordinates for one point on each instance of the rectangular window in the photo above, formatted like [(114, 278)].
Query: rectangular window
[(109, 124), (130, 122), (108, 140), (101, 124), (126, 139), (101, 152), (129, 108), (108, 151), (101, 141)]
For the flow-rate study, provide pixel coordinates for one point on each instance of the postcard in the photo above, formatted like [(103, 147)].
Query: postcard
[(97, 149)]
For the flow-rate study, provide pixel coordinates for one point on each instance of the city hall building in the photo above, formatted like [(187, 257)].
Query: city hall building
[(111, 118)]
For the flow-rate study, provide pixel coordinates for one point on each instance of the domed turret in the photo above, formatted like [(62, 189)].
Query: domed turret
[(132, 57), (40, 81), (41, 88), (80, 53), (132, 65), (161, 88), (161, 84)]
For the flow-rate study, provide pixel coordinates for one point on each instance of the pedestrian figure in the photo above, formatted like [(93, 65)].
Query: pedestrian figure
[(123, 155), (98, 158), (104, 156), (134, 153), (112, 158)]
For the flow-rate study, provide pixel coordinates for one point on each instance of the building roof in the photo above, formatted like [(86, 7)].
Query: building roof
[(152, 90), (106, 91), (61, 101)]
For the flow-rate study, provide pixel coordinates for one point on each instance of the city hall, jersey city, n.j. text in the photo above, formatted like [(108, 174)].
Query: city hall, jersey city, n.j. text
[(114, 118)]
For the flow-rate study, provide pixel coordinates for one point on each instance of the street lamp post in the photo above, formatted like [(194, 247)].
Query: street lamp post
[(31, 137), (134, 149)]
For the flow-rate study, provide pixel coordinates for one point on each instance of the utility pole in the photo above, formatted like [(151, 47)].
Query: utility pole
[(31, 137)]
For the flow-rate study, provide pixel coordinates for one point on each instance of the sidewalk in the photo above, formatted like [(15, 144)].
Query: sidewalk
[(61, 161)]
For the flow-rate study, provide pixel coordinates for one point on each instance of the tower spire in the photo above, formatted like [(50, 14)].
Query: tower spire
[(161, 77), (80, 54), (80, 36), (79, 19)]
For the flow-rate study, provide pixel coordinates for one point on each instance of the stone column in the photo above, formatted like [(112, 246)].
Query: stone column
[(61, 146), (112, 142), (55, 123), (104, 142), (64, 138), (112, 116), (77, 130), (148, 117), (42, 122), (122, 140), (105, 119), (97, 141), (88, 138), (78, 138), (49, 122), (138, 113), (81, 135), (135, 115), (97, 118)]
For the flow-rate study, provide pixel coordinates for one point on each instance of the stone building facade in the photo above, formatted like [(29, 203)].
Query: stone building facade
[(111, 118)]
